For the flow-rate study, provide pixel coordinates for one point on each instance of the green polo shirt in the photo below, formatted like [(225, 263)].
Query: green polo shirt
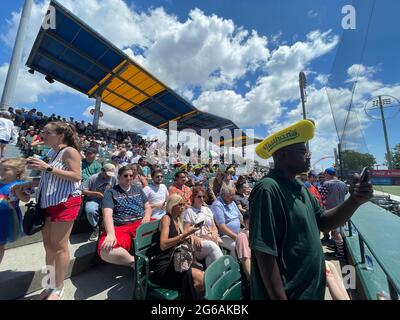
[(284, 223), (89, 169)]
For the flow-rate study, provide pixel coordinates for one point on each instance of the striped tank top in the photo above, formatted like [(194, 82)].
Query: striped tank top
[(54, 190)]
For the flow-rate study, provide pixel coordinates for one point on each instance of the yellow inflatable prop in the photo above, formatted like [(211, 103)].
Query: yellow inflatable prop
[(298, 132)]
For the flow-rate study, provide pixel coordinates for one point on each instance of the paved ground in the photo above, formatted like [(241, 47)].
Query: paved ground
[(108, 282), (104, 282)]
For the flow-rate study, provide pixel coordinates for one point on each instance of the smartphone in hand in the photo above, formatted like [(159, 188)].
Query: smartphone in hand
[(200, 224), (364, 175)]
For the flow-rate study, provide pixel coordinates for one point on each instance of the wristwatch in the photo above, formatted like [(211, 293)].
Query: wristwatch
[(49, 169)]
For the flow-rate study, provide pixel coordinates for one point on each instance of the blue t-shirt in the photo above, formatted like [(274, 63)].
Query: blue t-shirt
[(10, 214), (226, 214), (127, 206), (146, 171)]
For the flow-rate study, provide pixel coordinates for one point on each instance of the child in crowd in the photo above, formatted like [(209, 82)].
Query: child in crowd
[(11, 173)]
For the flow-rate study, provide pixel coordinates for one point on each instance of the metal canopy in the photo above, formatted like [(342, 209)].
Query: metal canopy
[(77, 56)]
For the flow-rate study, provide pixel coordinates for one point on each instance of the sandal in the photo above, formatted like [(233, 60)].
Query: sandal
[(56, 294), (44, 294)]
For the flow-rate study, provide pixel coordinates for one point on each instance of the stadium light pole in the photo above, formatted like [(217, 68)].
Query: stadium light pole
[(12, 74), (96, 116), (303, 94), (388, 154)]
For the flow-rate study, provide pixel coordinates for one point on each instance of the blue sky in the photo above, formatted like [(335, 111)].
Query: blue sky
[(305, 34)]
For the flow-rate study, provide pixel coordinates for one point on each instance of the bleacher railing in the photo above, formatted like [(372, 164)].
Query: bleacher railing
[(365, 223)]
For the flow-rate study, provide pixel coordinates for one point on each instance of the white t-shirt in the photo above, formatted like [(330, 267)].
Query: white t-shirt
[(192, 216), (135, 159), (156, 194), (7, 130)]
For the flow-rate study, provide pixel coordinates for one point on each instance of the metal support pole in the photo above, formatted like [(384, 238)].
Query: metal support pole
[(12, 74), (388, 154), (167, 143), (350, 228), (340, 161), (97, 112)]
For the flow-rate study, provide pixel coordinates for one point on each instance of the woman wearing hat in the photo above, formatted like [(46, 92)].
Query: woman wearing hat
[(188, 283)]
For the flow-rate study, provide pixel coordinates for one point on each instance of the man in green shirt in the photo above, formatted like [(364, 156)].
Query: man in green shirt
[(89, 165), (286, 220)]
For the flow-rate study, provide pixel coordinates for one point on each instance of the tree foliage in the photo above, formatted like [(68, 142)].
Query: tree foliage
[(353, 160), (396, 157)]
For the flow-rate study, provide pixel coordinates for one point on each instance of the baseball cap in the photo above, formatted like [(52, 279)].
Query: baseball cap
[(91, 150), (331, 171), (109, 169)]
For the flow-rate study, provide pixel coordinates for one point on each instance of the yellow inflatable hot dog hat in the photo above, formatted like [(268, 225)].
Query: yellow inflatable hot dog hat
[(299, 132)]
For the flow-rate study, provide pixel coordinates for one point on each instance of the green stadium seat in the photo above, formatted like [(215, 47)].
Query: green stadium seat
[(143, 287), (223, 280)]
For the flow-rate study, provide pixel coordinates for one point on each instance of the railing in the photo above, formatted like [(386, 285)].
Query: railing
[(369, 217)]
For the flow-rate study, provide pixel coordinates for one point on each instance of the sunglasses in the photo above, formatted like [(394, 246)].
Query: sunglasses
[(128, 175), (159, 177), (202, 197)]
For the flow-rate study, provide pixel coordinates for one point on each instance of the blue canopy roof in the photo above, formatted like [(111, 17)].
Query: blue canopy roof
[(77, 56)]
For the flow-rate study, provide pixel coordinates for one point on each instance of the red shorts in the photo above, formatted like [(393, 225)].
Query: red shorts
[(124, 235), (64, 211)]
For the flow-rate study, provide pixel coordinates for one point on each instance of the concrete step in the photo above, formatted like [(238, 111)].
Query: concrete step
[(102, 282), (21, 269)]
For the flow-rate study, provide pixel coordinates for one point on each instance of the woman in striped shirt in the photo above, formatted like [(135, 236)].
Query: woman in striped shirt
[(59, 196)]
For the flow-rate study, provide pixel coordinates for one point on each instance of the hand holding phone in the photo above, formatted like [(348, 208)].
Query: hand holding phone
[(364, 175), (199, 224)]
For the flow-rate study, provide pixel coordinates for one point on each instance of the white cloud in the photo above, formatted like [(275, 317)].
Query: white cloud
[(312, 14), (205, 51), (263, 103), (30, 87), (116, 119)]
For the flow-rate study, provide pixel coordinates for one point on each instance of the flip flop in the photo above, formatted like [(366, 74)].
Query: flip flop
[(57, 293), (44, 294)]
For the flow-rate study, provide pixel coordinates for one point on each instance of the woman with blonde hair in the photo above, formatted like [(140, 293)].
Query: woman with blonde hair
[(11, 173), (189, 283), (60, 198)]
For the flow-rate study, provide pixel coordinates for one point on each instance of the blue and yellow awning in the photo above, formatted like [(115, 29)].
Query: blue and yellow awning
[(77, 56)]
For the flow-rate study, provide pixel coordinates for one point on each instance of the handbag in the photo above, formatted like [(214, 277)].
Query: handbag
[(183, 256), (33, 220)]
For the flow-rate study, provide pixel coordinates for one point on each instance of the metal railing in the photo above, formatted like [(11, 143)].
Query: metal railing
[(394, 289)]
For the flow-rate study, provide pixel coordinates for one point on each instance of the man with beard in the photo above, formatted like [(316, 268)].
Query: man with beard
[(285, 221)]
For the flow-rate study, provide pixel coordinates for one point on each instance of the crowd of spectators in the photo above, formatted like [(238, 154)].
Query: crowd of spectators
[(123, 182), (122, 174)]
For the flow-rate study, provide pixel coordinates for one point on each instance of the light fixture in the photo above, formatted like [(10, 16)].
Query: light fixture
[(49, 79)]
